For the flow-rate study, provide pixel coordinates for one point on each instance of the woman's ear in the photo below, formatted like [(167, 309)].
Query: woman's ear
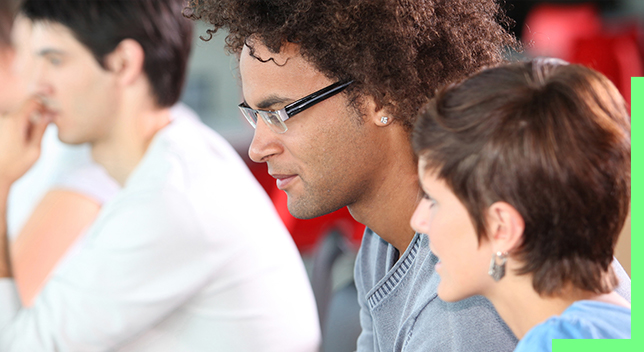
[(505, 227), (126, 61)]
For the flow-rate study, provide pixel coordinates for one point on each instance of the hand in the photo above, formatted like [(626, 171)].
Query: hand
[(20, 136)]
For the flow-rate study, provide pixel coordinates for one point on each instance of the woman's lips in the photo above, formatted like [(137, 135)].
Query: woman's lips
[(283, 180)]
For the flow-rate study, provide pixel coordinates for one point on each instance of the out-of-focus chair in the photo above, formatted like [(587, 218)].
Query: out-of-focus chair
[(578, 34), (613, 53), (337, 306)]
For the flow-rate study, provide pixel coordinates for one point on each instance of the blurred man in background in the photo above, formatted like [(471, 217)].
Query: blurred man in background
[(54, 203), (172, 263)]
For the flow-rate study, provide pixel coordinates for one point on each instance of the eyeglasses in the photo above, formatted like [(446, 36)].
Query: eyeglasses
[(275, 118)]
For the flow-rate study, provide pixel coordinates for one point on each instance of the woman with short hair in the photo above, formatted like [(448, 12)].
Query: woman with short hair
[(536, 155)]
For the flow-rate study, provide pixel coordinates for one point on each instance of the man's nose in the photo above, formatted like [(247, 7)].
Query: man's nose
[(265, 143), (37, 81)]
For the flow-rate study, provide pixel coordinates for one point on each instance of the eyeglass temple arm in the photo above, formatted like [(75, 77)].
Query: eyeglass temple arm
[(315, 98)]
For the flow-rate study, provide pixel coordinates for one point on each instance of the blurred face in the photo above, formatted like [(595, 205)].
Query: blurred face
[(8, 80), (12, 86), (328, 158), (463, 262), (75, 88)]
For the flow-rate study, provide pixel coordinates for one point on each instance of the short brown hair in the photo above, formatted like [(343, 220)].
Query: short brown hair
[(398, 52), (553, 141)]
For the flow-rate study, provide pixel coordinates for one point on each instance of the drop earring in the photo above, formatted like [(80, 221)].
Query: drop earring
[(497, 270)]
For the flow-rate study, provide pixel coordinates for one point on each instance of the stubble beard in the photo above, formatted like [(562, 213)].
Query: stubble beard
[(315, 204)]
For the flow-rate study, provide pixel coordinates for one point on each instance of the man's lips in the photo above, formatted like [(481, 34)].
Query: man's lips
[(49, 103), (283, 180)]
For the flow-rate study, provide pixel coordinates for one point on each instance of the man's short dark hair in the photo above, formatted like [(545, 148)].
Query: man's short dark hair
[(100, 25), (398, 52), (553, 141)]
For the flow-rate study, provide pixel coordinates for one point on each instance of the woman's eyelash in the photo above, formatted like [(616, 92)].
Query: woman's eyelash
[(430, 199)]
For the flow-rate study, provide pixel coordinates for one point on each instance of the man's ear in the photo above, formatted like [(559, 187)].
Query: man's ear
[(372, 113), (126, 61), (505, 227)]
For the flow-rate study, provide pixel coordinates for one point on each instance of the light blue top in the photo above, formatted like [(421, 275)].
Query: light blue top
[(582, 320)]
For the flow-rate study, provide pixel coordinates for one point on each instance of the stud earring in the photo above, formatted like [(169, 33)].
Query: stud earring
[(497, 270), (384, 120)]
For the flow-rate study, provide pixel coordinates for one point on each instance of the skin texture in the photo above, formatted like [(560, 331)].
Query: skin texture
[(331, 156), (463, 261), (46, 237), (11, 87)]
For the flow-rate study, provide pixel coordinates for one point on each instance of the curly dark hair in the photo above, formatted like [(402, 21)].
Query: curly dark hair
[(396, 51)]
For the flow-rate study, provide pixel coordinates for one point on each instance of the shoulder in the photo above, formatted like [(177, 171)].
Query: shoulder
[(582, 320), (145, 217), (189, 154), (187, 133), (540, 337), (467, 325)]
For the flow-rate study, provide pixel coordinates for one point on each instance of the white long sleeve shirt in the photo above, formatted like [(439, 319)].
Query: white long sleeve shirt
[(189, 256)]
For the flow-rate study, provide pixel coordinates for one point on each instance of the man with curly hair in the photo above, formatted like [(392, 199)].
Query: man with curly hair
[(332, 88)]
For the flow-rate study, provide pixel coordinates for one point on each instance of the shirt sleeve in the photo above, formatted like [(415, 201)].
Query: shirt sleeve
[(142, 258)]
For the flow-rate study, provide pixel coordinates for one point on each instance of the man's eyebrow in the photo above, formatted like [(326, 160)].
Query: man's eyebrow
[(49, 51), (271, 101)]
